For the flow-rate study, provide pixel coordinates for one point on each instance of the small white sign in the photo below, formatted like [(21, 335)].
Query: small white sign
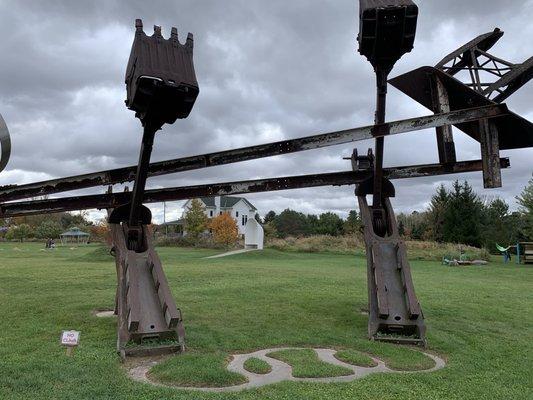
[(70, 338)]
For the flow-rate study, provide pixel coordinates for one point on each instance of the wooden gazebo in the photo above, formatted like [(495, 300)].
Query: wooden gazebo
[(74, 235)]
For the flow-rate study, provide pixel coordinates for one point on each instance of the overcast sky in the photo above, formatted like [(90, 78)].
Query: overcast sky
[(267, 70)]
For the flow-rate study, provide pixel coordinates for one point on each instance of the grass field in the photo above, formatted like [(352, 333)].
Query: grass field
[(480, 319)]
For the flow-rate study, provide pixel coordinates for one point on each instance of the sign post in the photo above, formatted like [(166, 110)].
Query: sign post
[(70, 339)]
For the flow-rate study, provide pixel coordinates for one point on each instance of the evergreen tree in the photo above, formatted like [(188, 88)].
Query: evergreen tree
[(353, 223), (269, 217), (462, 218), (435, 215), (525, 201), (291, 223), (496, 225), (419, 226), (313, 225), (329, 224), (401, 228)]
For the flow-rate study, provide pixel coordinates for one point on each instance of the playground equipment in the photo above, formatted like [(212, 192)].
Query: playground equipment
[(162, 87), (505, 251), (525, 252)]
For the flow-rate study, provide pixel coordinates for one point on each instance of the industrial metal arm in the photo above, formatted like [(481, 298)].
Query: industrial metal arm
[(120, 175)]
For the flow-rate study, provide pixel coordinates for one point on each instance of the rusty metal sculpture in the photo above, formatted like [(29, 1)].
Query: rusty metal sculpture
[(162, 87), (5, 144)]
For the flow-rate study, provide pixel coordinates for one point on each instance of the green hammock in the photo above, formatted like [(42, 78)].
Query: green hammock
[(502, 249)]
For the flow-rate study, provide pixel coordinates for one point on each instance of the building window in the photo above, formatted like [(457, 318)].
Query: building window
[(220, 213), (244, 219), (211, 213), (237, 214)]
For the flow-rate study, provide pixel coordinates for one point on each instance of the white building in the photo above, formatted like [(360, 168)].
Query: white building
[(238, 207)]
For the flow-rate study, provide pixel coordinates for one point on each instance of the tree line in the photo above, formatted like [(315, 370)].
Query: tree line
[(49, 226), (294, 223), (455, 215)]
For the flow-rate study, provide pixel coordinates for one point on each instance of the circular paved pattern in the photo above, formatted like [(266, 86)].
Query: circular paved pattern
[(280, 370)]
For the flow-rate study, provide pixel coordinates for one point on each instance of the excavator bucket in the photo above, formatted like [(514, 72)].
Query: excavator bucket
[(160, 78)]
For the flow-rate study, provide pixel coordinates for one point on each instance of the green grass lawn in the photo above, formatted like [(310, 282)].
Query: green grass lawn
[(257, 366), (306, 364), (479, 319), (355, 357)]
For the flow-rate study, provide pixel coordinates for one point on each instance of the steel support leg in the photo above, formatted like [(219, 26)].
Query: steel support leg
[(490, 154), (144, 304), (394, 311)]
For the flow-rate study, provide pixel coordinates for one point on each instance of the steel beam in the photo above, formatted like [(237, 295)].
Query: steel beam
[(441, 103), (113, 200), (127, 174)]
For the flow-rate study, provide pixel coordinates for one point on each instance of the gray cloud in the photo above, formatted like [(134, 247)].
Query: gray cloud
[(267, 71)]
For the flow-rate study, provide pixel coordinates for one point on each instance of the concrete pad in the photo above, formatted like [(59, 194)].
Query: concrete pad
[(104, 313), (231, 253), (280, 370)]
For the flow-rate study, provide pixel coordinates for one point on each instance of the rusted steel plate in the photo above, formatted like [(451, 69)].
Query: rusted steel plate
[(515, 132), (113, 200), (127, 174), (381, 290), (405, 270)]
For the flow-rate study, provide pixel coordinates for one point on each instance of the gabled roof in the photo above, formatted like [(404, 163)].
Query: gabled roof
[(226, 201), (176, 222), (74, 231)]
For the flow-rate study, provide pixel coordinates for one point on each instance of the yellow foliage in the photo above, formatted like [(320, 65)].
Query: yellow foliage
[(224, 230)]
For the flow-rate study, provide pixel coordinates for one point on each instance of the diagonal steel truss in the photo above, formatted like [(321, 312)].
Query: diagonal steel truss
[(475, 59)]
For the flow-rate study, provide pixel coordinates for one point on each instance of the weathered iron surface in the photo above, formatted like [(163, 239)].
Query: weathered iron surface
[(144, 304), (113, 200), (474, 58), (394, 311), (160, 79), (161, 87), (514, 131), (5, 144), (387, 30), (462, 57), (120, 175), (445, 143)]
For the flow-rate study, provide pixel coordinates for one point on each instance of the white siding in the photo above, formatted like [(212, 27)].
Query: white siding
[(241, 213)]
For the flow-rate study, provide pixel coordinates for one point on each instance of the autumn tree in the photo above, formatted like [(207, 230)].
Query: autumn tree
[(225, 231), (196, 221), (100, 231)]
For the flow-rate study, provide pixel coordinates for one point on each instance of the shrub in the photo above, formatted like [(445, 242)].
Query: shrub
[(225, 231)]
